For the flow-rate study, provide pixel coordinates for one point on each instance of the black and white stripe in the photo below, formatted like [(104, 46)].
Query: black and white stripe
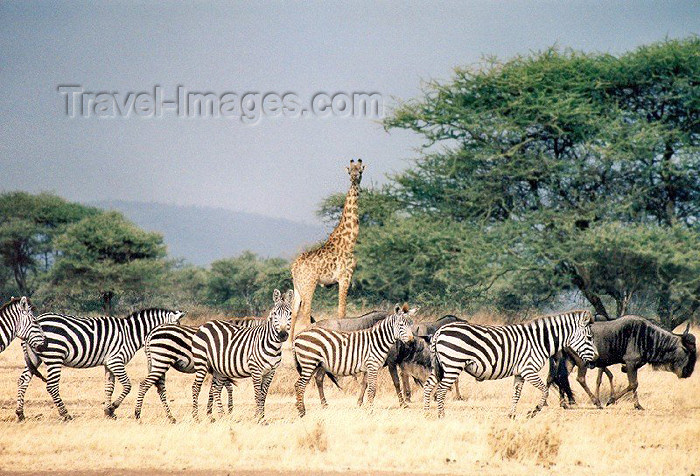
[(170, 345), (82, 342), (18, 320), (228, 351), (348, 353), (494, 352)]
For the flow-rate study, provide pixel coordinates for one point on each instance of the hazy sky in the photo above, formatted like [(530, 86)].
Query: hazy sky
[(281, 166)]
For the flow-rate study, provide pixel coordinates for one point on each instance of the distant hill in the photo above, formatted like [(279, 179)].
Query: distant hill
[(204, 234)]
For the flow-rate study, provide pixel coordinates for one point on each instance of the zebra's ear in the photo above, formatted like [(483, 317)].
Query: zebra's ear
[(276, 296), (289, 296), (24, 303), (397, 308)]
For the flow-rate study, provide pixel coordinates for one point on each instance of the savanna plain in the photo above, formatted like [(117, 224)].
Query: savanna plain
[(475, 437)]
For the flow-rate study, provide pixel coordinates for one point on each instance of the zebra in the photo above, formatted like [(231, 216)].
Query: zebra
[(229, 351), (170, 345), (494, 352), (83, 342), (17, 320), (348, 353)]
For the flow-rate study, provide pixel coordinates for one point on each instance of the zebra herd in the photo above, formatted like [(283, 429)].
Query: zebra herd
[(236, 349)]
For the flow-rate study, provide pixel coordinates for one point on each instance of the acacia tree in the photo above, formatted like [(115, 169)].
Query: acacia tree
[(106, 257), (549, 152), (28, 225)]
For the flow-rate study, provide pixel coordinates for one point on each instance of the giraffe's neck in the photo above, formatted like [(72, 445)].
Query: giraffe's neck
[(345, 234)]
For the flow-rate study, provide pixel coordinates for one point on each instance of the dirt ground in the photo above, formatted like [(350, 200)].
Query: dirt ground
[(475, 437)]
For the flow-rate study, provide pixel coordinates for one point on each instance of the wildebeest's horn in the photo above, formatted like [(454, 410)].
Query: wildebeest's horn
[(687, 328)]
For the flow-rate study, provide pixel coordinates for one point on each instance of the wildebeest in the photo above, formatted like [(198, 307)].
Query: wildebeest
[(632, 341), (412, 359)]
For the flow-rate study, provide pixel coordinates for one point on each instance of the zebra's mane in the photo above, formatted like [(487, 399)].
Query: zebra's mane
[(145, 311), (555, 316), (15, 300)]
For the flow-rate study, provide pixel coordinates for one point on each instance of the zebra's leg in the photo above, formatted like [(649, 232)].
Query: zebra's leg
[(397, 385), (517, 388), (371, 378), (53, 377), (117, 368), (217, 385), (300, 388), (537, 382), (109, 387), (22, 385), (265, 387), (196, 388), (229, 389), (160, 386), (445, 384), (428, 390), (458, 396), (210, 401), (319, 375), (259, 397), (363, 389), (151, 379)]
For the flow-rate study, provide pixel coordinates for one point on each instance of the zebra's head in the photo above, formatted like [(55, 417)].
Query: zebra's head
[(173, 317), (355, 170), (402, 322), (581, 339), (28, 328), (281, 315)]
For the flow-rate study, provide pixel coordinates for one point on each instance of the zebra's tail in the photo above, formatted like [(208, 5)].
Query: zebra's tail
[(29, 359), (333, 379), (438, 371)]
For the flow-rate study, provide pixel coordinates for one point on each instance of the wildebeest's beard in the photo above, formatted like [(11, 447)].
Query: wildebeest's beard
[(688, 341)]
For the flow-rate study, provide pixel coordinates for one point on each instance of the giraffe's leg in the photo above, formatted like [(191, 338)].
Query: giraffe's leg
[(517, 388), (537, 382), (53, 378), (160, 386), (343, 287), (306, 291), (117, 368), (319, 375), (22, 385)]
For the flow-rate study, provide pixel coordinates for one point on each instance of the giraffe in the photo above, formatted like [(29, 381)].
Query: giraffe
[(333, 262)]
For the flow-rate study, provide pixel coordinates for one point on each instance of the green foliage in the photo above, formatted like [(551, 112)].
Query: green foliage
[(244, 285), (102, 257), (549, 172), (28, 226)]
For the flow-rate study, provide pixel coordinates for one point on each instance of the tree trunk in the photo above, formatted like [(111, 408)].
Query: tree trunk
[(107, 297), (578, 280)]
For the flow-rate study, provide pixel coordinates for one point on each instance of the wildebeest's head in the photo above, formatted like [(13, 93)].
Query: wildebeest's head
[(683, 361)]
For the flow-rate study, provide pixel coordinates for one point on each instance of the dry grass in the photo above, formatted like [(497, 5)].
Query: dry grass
[(475, 436)]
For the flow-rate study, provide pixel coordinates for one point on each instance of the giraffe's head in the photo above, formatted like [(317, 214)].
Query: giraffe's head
[(355, 170)]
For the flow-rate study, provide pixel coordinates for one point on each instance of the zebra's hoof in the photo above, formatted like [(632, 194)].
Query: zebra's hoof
[(637, 406), (67, 417), (511, 416), (109, 413), (533, 413), (403, 405), (20, 416)]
